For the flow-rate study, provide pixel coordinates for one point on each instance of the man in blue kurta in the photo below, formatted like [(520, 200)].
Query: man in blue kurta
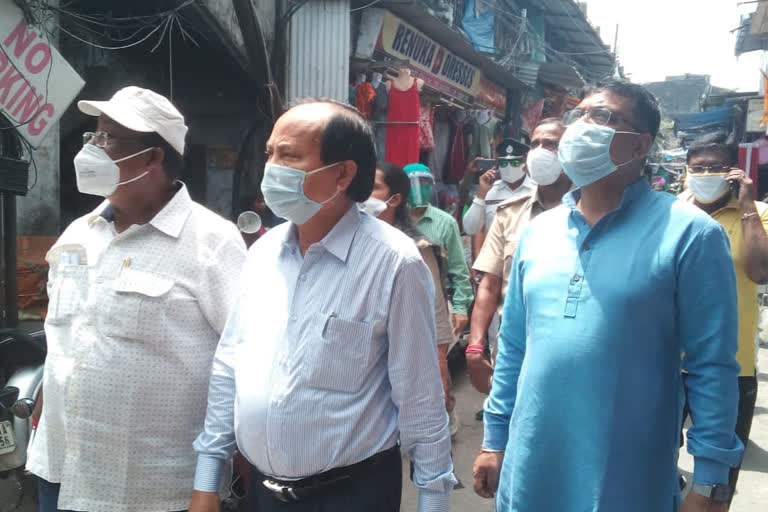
[(606, 293)]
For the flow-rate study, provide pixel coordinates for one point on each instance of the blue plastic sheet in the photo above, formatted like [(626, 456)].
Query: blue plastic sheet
[(697, 124), (479, 24)]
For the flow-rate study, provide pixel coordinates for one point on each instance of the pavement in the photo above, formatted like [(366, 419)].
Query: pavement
[(751, 491)]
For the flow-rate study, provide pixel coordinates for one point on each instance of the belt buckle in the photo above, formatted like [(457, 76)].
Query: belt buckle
[(283, 493)]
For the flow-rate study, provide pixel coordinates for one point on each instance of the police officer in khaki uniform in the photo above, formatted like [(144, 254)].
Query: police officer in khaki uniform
[(498, 250)]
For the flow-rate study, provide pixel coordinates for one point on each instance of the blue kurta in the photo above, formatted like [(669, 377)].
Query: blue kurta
[(594, 325)]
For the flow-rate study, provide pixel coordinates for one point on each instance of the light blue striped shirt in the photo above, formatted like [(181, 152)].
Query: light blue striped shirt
[(327, 359)]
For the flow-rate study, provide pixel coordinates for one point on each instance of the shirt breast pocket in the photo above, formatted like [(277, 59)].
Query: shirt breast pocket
[(337, 355), (137, 307), (67, 292), (510, 246)]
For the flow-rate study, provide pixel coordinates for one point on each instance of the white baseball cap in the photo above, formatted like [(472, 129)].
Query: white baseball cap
[(142, 110)]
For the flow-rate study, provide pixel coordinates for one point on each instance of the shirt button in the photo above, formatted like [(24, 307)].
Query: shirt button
[(294, 318), (576, 278), (303, 277)]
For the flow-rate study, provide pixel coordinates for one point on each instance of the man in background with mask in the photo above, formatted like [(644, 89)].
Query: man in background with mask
[(338, 360), (605, 294), (139, 293), (442, 229), (715, 184), (495, 258), (507, 181)]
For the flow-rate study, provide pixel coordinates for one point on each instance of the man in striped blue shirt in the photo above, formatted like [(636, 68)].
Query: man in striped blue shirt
[(328, 358)]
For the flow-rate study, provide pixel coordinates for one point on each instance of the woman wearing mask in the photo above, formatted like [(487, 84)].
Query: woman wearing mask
[(388, 203)]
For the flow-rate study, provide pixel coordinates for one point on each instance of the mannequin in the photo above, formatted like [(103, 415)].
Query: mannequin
[(404, 80), (403, 116), (376, 79), (359, 79), (482, 116), (379, 114)]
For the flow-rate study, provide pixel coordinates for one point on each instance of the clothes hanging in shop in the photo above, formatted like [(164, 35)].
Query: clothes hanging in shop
[(379, 116), (458, 164), (426, 130), (482, 138), (364, 96), (442, 130), (403, 139)]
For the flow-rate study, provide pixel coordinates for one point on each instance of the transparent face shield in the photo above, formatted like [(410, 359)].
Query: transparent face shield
[(421, 188)]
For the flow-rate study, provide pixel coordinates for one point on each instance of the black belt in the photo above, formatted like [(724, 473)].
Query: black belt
[(291, 491)]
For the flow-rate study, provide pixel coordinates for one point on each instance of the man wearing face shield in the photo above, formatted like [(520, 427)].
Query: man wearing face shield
[(605, 294), (715, 184), (334, 368), (495, 259), (441, 228), (139, 292)]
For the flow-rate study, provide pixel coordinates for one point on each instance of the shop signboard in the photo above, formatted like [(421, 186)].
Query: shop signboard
[(433, 63), (36, 83)]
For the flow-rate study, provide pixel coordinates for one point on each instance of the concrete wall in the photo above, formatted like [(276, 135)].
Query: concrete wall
[(680, 95), (223, 13)]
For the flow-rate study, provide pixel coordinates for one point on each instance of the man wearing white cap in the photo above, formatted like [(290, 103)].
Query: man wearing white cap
[(139, 292)]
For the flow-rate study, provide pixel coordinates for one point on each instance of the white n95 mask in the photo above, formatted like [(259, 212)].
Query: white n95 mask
[(99, 175), (543, 166)]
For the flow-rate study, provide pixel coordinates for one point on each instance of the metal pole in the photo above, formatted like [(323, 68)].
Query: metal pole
[(9, 258)]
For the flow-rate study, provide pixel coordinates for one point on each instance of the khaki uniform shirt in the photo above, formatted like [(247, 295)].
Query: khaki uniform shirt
[(499, 247)]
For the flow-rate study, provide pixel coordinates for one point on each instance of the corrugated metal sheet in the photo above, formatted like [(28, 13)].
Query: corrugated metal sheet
[(319, 51)]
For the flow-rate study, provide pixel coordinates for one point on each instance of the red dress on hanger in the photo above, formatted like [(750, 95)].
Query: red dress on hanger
[(403, 139)]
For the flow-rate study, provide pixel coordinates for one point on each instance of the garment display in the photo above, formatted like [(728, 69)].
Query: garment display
[(364, 96), (403, 125), (379, 117), (440, 156), (426, 132), (458, 164), (482, 138)]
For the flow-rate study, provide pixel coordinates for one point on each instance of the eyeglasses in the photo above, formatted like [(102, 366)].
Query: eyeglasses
[(598, 115), (510, 162), (103, 139), (715, 168)]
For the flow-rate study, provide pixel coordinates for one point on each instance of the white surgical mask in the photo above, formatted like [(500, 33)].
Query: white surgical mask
[(585, 152), (707, 188), (543, 166), (374, 206), (99, 175), (283, 190)]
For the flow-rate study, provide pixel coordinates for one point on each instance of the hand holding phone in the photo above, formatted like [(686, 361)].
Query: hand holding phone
[(735, 187), (485, 164)]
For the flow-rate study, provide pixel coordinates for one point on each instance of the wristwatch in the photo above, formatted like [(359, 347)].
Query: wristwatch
[(718, 494)]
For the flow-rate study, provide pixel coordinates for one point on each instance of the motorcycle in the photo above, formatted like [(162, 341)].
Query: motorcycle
[(22, 356)]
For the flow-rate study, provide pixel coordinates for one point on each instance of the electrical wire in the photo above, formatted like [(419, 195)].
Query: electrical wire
[(30, 151), (551, 52), (123, 47), (365, 6)]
